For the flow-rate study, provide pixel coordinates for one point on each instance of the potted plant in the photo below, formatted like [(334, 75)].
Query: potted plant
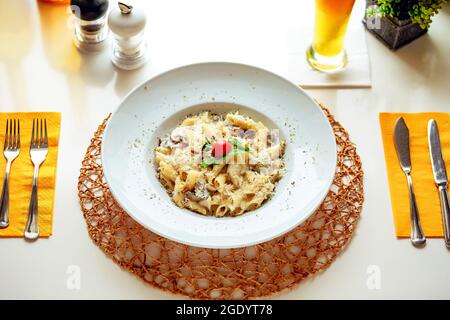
[(398, 22)]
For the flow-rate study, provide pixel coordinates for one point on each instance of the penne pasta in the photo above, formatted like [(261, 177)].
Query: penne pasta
[(220, 166)]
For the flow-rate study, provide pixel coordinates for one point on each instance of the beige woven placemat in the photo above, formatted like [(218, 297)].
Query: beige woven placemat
[(245, 273)]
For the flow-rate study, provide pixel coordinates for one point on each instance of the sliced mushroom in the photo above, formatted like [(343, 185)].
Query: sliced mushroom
[(249, 134), (200, 192), (176, 139), (237, 132), (273, 138), (191, 196), (178, 135), (166, 142)]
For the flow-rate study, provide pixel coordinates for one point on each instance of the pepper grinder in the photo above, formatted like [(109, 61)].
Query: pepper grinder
[(90, 27), (129, 48)]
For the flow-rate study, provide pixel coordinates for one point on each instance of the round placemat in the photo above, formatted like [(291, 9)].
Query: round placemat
[(244, 273)]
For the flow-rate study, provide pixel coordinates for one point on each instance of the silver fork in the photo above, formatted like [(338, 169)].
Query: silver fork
[(38, 153), (11, 150)]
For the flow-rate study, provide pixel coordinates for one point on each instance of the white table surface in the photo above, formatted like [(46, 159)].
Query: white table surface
[(41, 71)]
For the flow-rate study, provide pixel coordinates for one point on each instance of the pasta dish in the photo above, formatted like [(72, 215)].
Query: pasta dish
[(220, 165)]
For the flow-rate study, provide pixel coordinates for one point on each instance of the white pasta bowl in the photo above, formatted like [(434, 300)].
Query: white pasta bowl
[(158, 105)]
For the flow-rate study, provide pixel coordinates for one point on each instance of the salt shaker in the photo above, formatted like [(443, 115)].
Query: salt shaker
[(127, 23), (90, 28)]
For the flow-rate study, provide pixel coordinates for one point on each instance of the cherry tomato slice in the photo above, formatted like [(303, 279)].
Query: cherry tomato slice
[(220, 149)]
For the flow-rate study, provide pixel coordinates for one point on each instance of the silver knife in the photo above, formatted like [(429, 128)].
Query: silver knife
[(440, 176), (401, 140)]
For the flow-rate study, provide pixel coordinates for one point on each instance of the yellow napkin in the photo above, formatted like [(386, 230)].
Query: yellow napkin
[(427, 196), (21, 174)]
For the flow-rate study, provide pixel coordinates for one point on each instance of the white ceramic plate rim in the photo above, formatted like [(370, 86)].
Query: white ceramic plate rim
[(269, 236)]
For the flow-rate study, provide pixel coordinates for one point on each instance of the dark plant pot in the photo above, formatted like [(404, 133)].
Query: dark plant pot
[(393, 32)]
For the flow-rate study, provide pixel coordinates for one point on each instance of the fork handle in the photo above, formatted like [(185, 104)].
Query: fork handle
[(32, 226), (4, 201)]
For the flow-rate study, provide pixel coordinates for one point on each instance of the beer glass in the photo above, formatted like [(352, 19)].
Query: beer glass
[(327, 52)]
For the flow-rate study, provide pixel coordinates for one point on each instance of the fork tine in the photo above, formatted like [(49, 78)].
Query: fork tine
[(10, 138), (14, 140), (32, 134), (36, 138), (41, 136), (18, 133), (45, 135), (6, 136), (12, 130)]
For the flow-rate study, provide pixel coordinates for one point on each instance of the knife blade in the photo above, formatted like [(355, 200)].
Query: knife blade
[(440, 176), (437, 161), (401, 141)]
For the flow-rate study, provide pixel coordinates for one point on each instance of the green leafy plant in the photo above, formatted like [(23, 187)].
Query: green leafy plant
[(419, 11)]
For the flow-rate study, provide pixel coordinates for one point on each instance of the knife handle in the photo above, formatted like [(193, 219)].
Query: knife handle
[(445, 208), (417, 237)]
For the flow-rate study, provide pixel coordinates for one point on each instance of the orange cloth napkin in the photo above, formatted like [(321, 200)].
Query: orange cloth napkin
[(427, 196), (21, 174)]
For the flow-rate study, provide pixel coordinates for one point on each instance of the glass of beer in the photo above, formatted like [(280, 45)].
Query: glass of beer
[(327, 52)]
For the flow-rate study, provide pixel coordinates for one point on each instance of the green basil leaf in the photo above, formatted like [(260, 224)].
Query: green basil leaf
[(209, 161)]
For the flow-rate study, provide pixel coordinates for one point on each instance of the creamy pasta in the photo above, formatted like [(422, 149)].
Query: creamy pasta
[(220, 165)]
